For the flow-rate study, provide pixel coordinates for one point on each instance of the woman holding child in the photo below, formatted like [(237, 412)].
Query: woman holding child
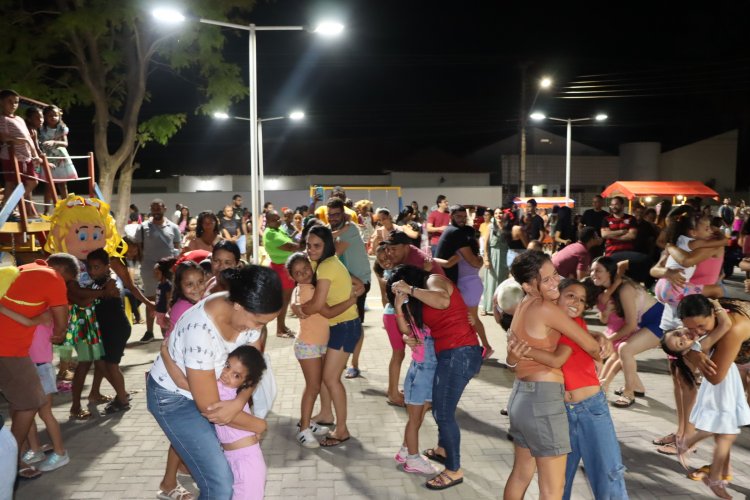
[(199, 345)]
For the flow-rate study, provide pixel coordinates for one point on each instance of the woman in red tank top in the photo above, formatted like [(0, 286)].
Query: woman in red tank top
[(434, 302)]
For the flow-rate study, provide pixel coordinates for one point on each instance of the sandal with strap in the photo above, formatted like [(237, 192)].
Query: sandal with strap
[(442, 481), (668, 439), (701, 472), (101, 399), (178, 493), (29, 472), (433, 455), (718, 487), (624, 402), (81, 414), (682, 452)]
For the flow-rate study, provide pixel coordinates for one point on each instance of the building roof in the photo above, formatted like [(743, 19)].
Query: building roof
[(633, 189)]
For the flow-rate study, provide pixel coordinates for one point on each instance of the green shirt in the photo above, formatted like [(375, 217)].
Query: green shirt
[(273, 240)]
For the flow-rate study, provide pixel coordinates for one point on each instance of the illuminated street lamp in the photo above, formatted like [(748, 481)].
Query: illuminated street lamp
[(294, 116), (324, 29), (538, 116)]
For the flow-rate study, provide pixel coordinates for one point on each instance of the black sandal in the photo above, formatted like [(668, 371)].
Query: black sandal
[(442, 481), (431, 454)]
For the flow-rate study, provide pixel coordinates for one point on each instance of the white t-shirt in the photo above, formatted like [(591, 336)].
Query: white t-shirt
[(683, 243), (196, 343)]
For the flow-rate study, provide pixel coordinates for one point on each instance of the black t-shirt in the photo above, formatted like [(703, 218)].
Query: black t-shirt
[(534, 227), (231, 225), (645, 239), (451, 241), (592, 218)]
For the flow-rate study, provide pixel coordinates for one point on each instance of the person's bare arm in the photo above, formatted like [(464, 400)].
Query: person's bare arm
[(410, 232), (290, 247), (689, 259), (179, 378), (39, 319), (122, 272), (436, 294), (473, 259), (714, 243), (318, 300), (553, 317), (628, 297), (629, 235), (59, 323), (552, 359)]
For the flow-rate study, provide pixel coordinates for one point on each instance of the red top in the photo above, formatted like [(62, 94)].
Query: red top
[(438, 219), (627, 221), (37, 288), (579, 371), (450, 327)]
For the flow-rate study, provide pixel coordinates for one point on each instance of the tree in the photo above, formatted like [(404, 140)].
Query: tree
[(103, 54)]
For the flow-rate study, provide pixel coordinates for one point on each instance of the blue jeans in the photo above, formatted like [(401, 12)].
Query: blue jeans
[(455, 367), (194, 438), (592, 437)]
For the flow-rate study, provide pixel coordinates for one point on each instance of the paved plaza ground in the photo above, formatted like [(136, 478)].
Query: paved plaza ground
[(123, 456)]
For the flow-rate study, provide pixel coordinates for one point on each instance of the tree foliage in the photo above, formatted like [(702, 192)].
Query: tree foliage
[(104, 54)]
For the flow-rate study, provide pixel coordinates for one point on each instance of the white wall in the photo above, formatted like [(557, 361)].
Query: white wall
[(713, 158)]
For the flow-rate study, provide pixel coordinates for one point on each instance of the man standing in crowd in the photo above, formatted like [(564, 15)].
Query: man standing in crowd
[(438, 221), (158, 238), (351, 250), (279, 247), (456, 238), (726, 212), (322, 211), (401, 251), (534, 223), (618, 228), (574, 261), (286, 224), (593, 217), (37, 288), (239, 210)]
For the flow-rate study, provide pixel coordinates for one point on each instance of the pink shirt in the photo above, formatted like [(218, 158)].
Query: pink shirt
[(16, 127), (177, 310), (225, 433), (574, 257), (41, 345)]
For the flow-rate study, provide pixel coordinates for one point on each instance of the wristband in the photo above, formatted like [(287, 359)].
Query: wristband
[(511, 366), (412, 291)]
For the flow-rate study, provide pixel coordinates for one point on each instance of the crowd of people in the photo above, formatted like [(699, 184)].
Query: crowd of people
[(654, 278)]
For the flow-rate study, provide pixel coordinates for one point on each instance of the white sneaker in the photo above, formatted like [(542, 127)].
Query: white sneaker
[(307, 439), (54, 461), (32, 457), (317, 429), (401, 455), (419, 465)]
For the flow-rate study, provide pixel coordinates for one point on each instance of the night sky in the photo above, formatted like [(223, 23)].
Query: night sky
[(410, 75)]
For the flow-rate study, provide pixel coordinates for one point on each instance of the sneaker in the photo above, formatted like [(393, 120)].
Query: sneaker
[(317, 429), (32, 457), (147, 337), (54, 461), (307, 439), (401, 455), (419, 465)]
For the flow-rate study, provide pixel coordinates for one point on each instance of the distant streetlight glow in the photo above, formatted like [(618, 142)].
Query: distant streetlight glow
[(329, 28), (545, 82), (537, 116), (221, 115), (297, 115), (168, 15)]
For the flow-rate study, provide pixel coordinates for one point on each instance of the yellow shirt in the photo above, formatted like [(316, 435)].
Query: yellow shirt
[(322, 213), (334, 271)]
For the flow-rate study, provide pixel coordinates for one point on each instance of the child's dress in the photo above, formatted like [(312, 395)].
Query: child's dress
[(247, 463), (721, 408), (83, 328), (665, 292), (63, 168), (176, 312)]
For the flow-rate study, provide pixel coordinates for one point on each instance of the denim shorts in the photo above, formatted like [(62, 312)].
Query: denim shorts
[(538, 420), (47, 377), (420, 376), (308, 351), (345, 335)]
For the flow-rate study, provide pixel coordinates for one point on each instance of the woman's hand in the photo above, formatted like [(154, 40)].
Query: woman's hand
[(722, 315), (518, 348), (401, 287), (675, 277), (411, 341), (297, 310), (399, 301), (223, 412), (605, 346), (702, 362)]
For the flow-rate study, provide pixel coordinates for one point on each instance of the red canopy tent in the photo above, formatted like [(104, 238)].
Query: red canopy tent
[(634, 189)]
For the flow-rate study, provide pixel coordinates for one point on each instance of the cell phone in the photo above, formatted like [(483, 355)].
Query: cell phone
[(319, 192)]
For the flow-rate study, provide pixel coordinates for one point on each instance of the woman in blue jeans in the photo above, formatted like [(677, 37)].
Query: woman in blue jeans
[(199, 345), (436, 303)]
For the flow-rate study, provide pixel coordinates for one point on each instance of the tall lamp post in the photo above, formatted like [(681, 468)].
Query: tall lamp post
[(544, 83), (537, 116), (294, 116), (326, 29)]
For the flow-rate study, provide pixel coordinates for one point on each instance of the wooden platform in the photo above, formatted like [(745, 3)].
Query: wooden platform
[(33, 227)]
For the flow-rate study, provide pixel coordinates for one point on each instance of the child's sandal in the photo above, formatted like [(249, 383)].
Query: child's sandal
[(80, 414)]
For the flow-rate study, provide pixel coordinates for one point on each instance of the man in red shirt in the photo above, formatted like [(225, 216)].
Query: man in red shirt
[(574, 261), (437, 221), (618, 228), (400, 251), (37, 288)]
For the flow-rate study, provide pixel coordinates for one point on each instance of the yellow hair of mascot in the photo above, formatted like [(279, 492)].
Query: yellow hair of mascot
[(80, 225)]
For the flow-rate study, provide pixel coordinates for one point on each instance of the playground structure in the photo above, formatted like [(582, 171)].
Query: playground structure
[(378, 201), (23, 232)]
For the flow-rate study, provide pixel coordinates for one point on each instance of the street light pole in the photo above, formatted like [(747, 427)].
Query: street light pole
[(537, 116)]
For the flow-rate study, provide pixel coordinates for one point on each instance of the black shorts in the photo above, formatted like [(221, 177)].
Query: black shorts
[(361, 303), (114, 339)]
